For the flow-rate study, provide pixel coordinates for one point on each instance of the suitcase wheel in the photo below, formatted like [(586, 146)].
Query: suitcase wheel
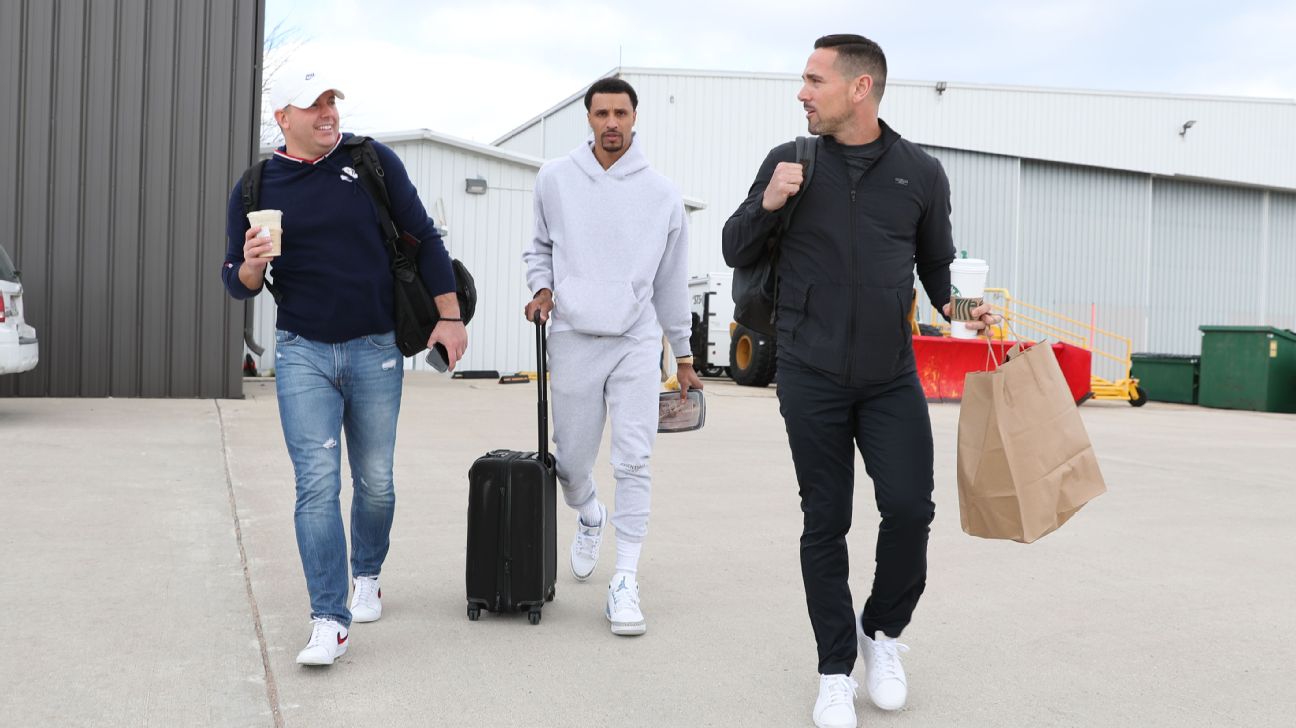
[(534, 616), (549, 597), (474, 612)]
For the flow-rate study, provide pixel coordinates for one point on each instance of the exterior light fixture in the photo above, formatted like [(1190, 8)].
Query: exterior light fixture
[(1183, 130), (475, 186)]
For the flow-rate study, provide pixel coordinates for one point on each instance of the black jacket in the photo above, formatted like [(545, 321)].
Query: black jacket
[(847, 259)]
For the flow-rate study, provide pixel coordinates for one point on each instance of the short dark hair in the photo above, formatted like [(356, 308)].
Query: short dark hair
[(856, 56), (611, 86)]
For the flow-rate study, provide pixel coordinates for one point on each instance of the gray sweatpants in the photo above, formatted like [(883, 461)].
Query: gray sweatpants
[(593, 377)]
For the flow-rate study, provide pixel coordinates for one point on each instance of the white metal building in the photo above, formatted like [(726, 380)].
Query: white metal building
[(485, 229), (1079, 200), (1161, 212)]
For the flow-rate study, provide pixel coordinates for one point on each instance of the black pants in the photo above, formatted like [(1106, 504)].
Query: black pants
[(890, 426)]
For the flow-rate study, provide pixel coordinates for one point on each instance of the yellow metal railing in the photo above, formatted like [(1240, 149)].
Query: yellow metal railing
[(1021, 318)]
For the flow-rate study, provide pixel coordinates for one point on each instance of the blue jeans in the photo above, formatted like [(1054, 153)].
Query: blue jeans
[(323, 388)]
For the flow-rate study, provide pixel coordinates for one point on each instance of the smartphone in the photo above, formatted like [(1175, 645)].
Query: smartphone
[(437, 358)]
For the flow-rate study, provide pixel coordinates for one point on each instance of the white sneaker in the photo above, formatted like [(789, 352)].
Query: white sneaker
[(835, 707), (623, 606), (327, 643), (884, 675), (366, 600), (585, 546)]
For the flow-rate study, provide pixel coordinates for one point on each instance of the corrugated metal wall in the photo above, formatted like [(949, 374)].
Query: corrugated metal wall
[(1280, 265), (129, 121), (564, 129), (1236, 139), (1206, 261), (1240, 140), (530, 141), (983, 213), (1126, 245), (1084, 244)]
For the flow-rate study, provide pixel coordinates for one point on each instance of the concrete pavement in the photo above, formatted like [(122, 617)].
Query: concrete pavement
[(152, 578)]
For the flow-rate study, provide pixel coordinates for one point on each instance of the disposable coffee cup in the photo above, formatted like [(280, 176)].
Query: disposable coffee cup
[(967, 280), (271, 224)]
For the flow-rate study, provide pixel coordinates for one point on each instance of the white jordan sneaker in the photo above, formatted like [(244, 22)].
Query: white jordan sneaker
[(585, 546), (623, 611)]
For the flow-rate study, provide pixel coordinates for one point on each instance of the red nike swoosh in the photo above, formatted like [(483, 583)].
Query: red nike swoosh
[(341, 639)]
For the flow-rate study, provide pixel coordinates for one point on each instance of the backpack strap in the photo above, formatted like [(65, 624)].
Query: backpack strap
[(250, 186), (250, 192), (806, 147), (369, 167), (370, 170)]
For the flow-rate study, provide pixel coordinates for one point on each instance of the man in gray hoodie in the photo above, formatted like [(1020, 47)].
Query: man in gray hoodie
[(609, 260)]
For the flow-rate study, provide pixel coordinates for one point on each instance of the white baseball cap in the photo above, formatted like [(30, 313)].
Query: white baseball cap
[(300, 86)]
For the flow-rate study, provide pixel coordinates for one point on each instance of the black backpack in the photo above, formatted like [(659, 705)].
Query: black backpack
[(755, 286), (416, 312)]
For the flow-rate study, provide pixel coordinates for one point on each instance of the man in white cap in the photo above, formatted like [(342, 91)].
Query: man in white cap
[(337, 366)]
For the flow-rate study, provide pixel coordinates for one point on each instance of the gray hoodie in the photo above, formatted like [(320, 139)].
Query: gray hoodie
[(612, 245)]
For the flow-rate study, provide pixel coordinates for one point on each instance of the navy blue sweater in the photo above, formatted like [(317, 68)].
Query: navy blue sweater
[(334, 271)]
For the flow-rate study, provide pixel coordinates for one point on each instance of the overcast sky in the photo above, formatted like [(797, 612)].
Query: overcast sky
[(477, 69)]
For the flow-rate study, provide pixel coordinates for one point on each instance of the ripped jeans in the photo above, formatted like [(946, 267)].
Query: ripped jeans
[(322, 389)]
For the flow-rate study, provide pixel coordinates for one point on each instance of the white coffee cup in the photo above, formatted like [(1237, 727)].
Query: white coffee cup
[(967, 280), (271, 224)]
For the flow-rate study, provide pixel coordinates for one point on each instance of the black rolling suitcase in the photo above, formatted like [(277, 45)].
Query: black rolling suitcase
[(512, 559)]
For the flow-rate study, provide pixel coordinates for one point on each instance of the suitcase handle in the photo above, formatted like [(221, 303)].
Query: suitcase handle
[(542, 378)]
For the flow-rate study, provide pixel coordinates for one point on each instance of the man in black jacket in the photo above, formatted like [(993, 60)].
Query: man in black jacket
[(876, 207)]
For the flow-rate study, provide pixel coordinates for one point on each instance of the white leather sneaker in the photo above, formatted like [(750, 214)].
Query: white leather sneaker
[(884, 675), (366, 600), (623, 611), (585, 546), (835, 707), (327, 643)]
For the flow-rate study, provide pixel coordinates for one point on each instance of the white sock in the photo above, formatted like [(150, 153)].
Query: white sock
[(628, 557), (590, 514)]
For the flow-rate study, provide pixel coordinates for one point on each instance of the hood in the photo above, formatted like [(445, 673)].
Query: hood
[(632, 161)]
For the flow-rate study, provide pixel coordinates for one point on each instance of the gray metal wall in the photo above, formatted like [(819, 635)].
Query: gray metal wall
[(984, 192), (709, 130), (1150, 258), (130, 120), (1083, 244), (1280, 284), (1205, 264)]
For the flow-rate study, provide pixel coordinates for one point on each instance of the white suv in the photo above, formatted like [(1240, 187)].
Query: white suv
[(18, 348)]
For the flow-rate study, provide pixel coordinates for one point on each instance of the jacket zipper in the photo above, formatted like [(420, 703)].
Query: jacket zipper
[(854, 246)]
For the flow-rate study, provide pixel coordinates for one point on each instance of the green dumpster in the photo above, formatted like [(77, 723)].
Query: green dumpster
[(1167, 377), (1248, 367)]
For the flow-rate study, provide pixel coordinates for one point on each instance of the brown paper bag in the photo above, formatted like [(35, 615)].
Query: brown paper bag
[(1025, 464)]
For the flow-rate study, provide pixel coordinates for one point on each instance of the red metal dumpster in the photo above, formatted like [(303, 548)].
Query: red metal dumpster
[(944, 361)]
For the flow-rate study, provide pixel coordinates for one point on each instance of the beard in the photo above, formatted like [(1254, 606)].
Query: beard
[(614, 145), (821, 125)]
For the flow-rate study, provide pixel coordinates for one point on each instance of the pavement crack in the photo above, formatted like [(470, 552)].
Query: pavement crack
[(272, 687)]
